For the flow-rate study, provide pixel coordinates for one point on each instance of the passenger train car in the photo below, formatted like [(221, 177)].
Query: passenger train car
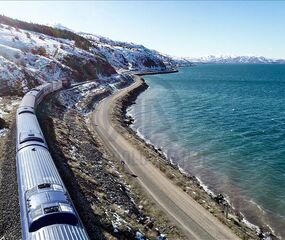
[(47, 212)]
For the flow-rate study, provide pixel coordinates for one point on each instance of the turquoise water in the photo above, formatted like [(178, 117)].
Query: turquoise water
[(226, 125)]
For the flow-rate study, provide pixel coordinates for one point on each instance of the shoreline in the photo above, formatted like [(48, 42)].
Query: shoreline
[(154, 176), (237, 221), (156, 73)]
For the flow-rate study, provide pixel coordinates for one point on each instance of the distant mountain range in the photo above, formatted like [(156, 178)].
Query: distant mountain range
[(236, 60)]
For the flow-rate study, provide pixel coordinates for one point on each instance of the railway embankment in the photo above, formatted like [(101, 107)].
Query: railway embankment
[(10, 225)]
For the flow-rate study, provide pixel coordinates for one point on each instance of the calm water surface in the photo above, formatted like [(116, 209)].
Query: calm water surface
[(226, 125)]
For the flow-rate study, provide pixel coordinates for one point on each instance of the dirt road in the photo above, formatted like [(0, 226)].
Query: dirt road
[(193, 219)]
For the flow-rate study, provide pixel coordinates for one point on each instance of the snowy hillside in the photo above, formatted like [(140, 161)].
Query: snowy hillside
[(235, 60), (31, 54), (130, 56), (29, 58)]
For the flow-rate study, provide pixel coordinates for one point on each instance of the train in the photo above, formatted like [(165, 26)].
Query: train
[(46, 209)]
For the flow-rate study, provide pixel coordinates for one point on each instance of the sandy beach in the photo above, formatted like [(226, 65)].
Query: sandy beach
[(198, 214)]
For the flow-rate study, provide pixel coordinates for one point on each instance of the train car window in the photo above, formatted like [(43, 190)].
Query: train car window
[(53, 218), (26, 111), (35, 139), (30, 136), (44, 185), (51, 209)]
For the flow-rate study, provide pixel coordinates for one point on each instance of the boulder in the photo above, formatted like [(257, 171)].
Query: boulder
[(3, 124)]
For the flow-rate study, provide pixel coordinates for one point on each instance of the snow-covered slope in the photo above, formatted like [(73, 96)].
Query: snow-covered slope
[(31, 54), (235, 60), (29, 58), (130, 56)]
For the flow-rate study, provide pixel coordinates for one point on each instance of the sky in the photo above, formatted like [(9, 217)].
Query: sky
[(178, 28)]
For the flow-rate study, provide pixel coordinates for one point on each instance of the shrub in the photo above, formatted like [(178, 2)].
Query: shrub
[(18, 88), (42, 51), (39, 51), (28, 35), (41, 37)]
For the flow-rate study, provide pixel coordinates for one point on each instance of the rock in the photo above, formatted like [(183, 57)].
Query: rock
[(129, 120), (265, 234), (140, 236), (3, 124), (150, 223), (157, 231), (161, 237), (219, 198)]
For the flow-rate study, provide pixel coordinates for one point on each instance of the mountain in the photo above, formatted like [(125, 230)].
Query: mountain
[(130, 56), (31, 54), (236, 60)]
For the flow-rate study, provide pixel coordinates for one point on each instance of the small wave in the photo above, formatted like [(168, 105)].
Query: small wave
[(250, 225), (205, 187), (258, 206)]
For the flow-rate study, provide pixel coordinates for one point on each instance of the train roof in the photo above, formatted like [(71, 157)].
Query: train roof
[(39, 88), (50, 213), (37, 167), (28, 101), (49, 204), (28, 130)]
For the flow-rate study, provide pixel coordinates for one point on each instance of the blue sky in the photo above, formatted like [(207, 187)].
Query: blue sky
[(181, 28)]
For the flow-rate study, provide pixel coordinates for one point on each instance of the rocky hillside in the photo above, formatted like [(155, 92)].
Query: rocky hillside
[(28, 58), (130, 56), (31, 54)]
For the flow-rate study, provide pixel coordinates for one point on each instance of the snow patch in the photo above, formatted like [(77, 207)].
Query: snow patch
[(3, 132)]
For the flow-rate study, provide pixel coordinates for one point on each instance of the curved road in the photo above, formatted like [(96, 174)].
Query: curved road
[(196, 222)]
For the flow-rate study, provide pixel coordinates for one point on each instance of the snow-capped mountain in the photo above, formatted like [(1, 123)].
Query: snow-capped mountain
[(235, 60)]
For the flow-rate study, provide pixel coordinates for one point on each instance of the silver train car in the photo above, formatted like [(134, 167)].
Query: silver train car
[(47, 212)]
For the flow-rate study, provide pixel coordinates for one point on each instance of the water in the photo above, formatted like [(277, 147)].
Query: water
[(226, 125)]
